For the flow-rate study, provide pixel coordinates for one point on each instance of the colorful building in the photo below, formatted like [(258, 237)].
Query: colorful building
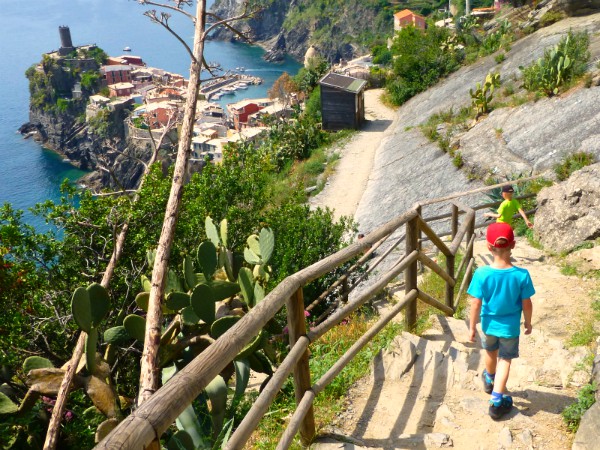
[(406, 17)]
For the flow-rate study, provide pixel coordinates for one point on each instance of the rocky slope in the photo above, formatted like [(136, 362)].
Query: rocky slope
[(334, 28), (408, 167)]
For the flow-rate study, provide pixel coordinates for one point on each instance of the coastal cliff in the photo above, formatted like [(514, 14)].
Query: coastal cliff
[(337, 29), (60, 87)]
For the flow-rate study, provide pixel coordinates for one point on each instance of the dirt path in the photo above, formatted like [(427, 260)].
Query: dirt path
[(436, 399), (344, 189)]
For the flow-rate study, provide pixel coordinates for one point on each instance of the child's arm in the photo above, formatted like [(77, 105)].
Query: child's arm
[(527, 313), (524, 216), (475, 311), (492, 215)]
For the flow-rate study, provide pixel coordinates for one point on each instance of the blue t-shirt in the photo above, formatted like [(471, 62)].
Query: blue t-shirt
[(501, 292)]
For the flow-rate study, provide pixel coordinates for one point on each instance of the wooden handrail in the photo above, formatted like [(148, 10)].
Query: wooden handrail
[(434, 237), (460, 234), (148, 422), (344, 312), (425, 297), (431, 264), (340, 364), (188, 383), (475, 191), (266, 397), (465, 281), (468, 250)]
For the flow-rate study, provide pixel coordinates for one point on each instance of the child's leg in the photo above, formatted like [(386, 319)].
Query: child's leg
[(502, 372), (491, 360)]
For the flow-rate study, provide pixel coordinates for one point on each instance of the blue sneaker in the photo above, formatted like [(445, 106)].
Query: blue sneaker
[(488, 386), (502, 408)]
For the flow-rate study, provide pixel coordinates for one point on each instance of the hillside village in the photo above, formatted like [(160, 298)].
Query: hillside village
[(156, 99)]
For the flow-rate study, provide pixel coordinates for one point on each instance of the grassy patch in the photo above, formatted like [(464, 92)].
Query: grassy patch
[(572, 163), (312, 171), (585, 335), (572, 414), (452, 121)]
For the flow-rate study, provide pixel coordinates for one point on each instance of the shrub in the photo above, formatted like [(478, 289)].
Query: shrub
[(500, 57), (420, 60), (551, 17), (572, 414), (458, 160), (573, 163), (560, 65)]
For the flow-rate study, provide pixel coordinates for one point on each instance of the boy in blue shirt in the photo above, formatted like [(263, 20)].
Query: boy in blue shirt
[(501, 292)]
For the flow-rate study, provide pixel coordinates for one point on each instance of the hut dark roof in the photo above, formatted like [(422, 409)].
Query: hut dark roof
[(343, 82)]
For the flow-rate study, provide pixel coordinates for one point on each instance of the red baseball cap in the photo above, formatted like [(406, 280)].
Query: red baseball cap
[(500, 230)]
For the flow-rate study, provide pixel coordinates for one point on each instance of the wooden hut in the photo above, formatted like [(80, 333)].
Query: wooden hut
[(342, 101)]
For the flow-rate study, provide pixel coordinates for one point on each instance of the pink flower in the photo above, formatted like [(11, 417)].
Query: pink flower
[(306, 313)]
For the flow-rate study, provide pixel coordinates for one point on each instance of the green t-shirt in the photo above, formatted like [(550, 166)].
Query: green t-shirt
[(507, 209)]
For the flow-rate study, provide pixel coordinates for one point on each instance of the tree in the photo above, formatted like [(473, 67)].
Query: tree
[(283, 88)]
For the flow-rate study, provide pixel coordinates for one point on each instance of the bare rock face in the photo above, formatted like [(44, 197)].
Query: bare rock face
[(569, 212), (578, 7)]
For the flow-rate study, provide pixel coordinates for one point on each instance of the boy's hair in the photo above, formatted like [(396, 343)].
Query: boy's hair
[(501, 247), (500, 235)]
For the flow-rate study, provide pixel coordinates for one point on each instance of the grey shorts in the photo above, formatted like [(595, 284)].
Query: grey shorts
[(508, 347)]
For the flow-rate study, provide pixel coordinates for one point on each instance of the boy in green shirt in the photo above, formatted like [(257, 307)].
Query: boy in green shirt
[(508, 208)]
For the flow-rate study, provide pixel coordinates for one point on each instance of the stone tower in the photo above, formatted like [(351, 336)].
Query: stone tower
[(66, 45)]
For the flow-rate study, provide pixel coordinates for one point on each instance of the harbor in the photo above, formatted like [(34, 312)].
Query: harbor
[(228, 85)]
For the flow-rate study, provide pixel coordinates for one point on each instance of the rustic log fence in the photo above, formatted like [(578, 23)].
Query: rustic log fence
[(146, 424)]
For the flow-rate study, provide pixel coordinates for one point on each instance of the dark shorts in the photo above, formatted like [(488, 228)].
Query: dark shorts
[(508, 348)]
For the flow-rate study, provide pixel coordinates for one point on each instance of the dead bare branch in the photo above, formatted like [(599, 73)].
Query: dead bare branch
[(176, 8)]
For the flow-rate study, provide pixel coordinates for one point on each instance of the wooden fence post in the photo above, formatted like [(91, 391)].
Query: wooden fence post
[(410, 274), (420, 267), (345, 290), (449, 296), (297, 328), (454, 221), (469, 254)]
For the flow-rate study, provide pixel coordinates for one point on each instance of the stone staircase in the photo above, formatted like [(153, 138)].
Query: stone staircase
[(426, 392)]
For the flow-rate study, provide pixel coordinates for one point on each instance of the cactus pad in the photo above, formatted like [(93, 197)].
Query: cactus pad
[(207, 258), (189, 316), (224, 289), (7, 406), (188, 272), (203, 303), (116, 335), (266, 241), (220, 326), (254, 345), (36, 362), (135, 326), (89, 306), (211, 231), (246, 282), (177, 301)]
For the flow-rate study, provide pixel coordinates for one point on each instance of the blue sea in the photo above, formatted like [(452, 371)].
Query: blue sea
[(30, 174)]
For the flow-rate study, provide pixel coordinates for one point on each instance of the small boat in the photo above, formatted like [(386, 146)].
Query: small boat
[(127, 49), (216, 96)]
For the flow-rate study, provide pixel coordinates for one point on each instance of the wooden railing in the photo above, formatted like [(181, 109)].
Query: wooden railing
[(143, 428)]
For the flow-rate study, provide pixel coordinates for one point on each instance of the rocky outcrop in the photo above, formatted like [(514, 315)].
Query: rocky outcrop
[(85, 149), (569, 213), (284, 28)]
